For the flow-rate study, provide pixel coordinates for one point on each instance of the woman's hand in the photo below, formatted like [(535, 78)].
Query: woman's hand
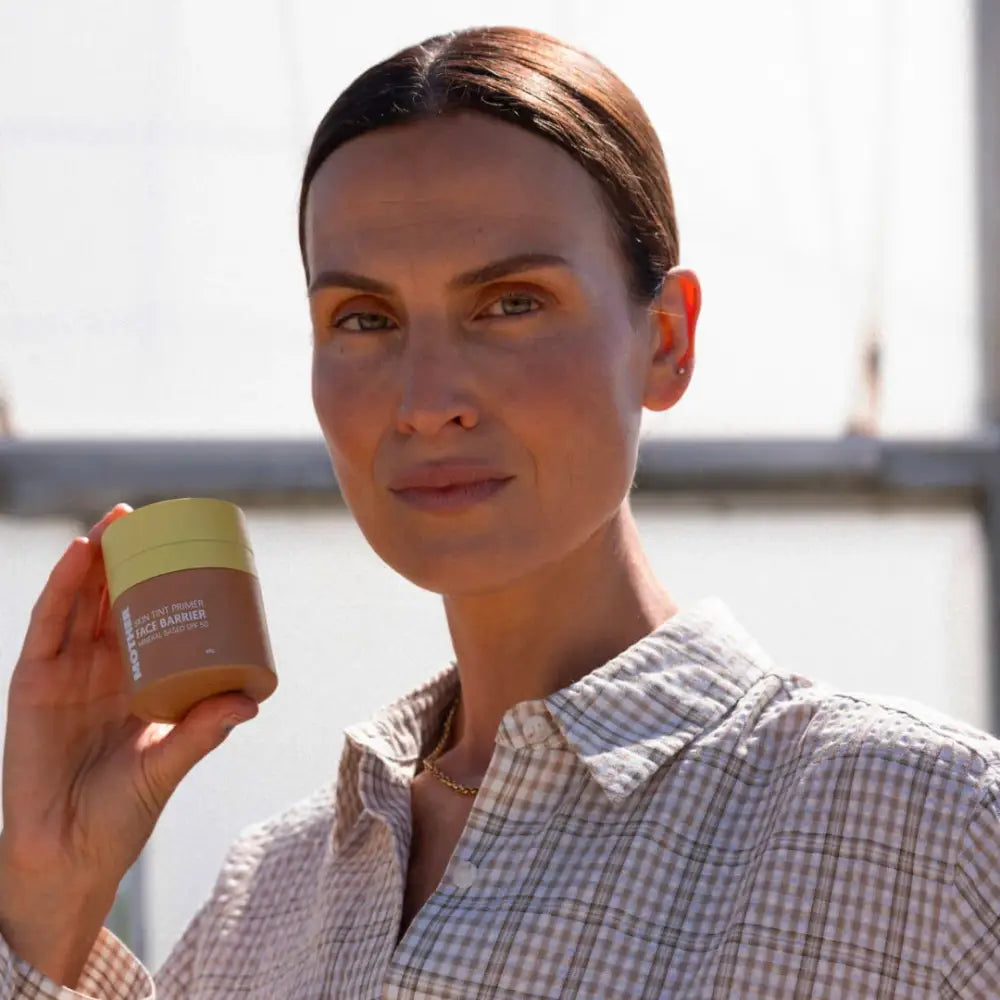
[(84, 781)]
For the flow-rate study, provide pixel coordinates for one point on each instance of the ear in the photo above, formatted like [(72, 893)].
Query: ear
[(673, 317)]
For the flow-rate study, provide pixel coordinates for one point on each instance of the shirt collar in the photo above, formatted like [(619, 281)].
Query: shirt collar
[(624, 720), (383, 752), (629, 717)]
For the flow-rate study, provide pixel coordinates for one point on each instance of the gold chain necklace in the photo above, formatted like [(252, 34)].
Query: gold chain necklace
[(436, 752)]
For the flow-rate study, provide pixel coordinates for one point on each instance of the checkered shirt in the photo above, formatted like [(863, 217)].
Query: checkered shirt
[(686, 821)]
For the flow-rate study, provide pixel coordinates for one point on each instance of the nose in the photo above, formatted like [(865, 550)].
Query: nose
[(435, 392)]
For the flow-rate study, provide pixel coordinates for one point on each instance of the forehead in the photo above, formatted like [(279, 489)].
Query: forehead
[(453, 182)]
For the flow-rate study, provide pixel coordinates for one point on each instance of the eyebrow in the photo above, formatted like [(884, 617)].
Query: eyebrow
[(467, 279)]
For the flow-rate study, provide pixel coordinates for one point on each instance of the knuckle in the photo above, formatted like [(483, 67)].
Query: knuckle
[(153, 790)]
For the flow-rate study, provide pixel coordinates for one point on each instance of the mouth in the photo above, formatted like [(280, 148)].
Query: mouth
[(451, 497)]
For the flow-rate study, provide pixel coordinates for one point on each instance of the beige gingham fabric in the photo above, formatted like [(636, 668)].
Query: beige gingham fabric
[(687, 821)]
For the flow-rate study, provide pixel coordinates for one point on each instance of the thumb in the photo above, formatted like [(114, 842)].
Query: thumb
[(204, 728)]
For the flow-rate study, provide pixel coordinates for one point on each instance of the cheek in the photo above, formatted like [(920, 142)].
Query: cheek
[(348, 410), (579, 413)]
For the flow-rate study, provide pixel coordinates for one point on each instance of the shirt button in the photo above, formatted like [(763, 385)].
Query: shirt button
[(535, 728), (464, 874)]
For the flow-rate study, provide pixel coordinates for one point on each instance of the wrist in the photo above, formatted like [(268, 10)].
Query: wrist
[(51, 928)]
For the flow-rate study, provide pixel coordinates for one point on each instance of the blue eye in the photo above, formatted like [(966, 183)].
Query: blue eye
[(518, 298), (374, 322), (361, 316)]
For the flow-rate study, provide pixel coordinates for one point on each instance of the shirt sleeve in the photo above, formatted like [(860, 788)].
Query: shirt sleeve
[(972, 931), (111, 972)]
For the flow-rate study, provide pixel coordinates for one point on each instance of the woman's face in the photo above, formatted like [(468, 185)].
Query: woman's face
[(482, 413)]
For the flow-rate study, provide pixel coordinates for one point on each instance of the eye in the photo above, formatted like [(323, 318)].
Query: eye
[(511, 304), (362, 318), (516, 299)]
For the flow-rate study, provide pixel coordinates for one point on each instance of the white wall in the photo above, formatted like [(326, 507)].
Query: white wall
[(28, 551), (150, 154)]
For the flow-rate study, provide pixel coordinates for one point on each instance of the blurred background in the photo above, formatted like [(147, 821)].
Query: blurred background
[(831, 473)]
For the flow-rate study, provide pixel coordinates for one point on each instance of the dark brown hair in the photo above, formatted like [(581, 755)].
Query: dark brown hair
[(539, 83)]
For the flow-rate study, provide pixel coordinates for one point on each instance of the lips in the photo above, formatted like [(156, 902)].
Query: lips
[(441, 475), (448, 486)]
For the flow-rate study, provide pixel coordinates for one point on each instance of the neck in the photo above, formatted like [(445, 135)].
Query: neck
[(545, 632)]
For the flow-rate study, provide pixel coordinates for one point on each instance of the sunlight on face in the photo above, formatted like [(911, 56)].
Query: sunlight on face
[(533, 369)]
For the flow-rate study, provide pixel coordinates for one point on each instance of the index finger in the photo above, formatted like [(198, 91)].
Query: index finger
[(51, 613), (119, 510)]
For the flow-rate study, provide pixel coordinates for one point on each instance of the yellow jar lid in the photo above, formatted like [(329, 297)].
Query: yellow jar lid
[(162, 537)]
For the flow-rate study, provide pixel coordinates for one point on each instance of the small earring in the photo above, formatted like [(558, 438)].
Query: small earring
[(682, 370)]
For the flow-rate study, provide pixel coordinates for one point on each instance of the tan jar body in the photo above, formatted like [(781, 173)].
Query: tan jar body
[(191, 632)]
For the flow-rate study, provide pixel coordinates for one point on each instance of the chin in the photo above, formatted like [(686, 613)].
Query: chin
[(458, 577), (462, 570)]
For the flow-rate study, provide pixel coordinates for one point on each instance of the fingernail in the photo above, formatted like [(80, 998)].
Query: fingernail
[(230, 722), (98, 526)]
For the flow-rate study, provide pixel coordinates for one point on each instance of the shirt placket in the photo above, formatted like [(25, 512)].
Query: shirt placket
[(385, 798), (427, 947)]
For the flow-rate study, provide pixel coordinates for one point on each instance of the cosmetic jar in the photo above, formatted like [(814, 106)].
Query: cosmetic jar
[(186, 603)]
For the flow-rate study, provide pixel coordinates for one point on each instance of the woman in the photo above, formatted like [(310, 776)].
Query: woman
[(605, 795)]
